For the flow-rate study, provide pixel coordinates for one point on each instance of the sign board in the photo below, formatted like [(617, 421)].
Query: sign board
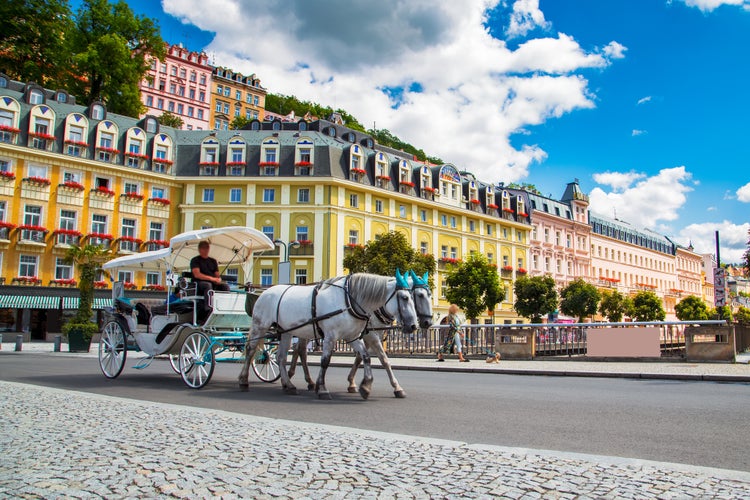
[(285, 272), (720, 288)]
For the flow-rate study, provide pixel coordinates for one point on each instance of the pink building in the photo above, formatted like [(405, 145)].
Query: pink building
[(180, 84)]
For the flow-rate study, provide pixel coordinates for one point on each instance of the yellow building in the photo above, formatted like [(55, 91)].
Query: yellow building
[(235, 95)]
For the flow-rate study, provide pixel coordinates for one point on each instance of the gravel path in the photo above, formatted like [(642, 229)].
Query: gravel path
[(59, 443)]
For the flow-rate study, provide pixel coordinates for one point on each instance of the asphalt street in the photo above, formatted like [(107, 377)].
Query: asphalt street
[(697, 423)]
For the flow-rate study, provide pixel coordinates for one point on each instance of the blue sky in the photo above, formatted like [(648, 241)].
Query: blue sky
[(644, 101)]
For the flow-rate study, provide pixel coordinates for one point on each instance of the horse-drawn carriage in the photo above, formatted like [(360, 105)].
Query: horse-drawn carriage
[(175, 327)]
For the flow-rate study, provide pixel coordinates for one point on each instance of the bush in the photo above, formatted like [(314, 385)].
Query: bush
[(88, 329)]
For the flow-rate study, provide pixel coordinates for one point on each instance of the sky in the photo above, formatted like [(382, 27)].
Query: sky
[(643, 101)]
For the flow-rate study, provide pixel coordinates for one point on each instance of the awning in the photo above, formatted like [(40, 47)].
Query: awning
[(99, 303), (29, 302)]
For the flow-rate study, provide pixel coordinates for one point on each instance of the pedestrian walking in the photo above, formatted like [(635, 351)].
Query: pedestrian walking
[(454, 339)]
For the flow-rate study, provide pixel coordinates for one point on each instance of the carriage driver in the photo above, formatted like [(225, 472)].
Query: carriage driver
[(206, 274)]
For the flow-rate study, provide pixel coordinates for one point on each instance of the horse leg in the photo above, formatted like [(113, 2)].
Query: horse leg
[(353, 373), (293, 363), (366, 386), (325, 360), (251, 345), (375, 346), (302, 352), (286, 383)]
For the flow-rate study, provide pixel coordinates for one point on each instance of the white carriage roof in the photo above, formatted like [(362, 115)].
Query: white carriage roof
[(228, 245)]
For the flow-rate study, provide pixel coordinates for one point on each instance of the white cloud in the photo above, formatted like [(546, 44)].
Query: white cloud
[(618, 180), (475, 92), (636, 132), (743, 193), (732, 238), (614, 50), (644, 100), (526, 17), (710, 5), (711, 209), (647, 202)]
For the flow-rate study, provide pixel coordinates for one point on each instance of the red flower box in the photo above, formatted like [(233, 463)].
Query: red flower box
[(474, 202), (163, 243), (103, 191), (407, 183), (68, 232), (132, 195), (430, 189), (27, 279), (492, 206), (77, 143), (101, 236), (108, 150), (360, 171), (162, 160), (507, 268), (29, 227), (209, 164), (8, 128), (354, 245), (100, 284), (508, 210), (7, 176), (236, 164), (37, 180), (305, 243), (383, 178), (8, 225), (521, 270), (303, 164), (268, 164), (522, 214), (39, 135), (449, 260), (68, 281), (131, 239), (136, 155), (130, 286), (155, 288), (72, 185), (162, 201)]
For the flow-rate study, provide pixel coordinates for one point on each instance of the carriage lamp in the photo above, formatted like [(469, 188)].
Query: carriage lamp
[(285, 267)]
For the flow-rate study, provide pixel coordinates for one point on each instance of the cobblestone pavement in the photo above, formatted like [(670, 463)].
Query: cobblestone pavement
[(59, 443)]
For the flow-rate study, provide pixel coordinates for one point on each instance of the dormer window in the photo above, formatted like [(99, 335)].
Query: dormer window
[(303, 157), (404, 177), (474, 202), (36, 97), (276, 125), (209, 160), (356, 163), (425, 176), (450, 183), (269, 157), (97, 112), (61, 97), (520, 207), (491, 205), (381, 170), (236, 156), (161, 160), (506, 209), (330, 131), (152, 126)]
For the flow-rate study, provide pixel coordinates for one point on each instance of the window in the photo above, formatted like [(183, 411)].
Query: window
[(172, 88), (160, 103), (156, 231), (472, 226), (300, 276), (202, 97), (444, 220), (153, 278), (353, 200), (506, 261), (170, 106), (303, 195), (208, 195), (557, 238), (32, 215), (63, 271), (99, 224), (183, 73), (519, 236), (256, 101), (236, 170), (423, 215), (125, 276), (302, 233), (489, 229), (402, 211), (237, 155), (238, 95), (150, 101), (379, 206), (453, 221), (353, 237), (36, 97), (27, 265), (269, 195), (227, 91), (158, 192), (97, 112), (3, 205), (128, 228), (454, 252), (235, 195), (423, 248), (68, 220), (268, 231), (192, 76), (203, 79), (200, 114), (180, 109), (266, 277), (444, 252)]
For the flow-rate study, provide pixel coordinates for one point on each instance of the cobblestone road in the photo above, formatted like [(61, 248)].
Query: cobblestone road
[(67, 444)]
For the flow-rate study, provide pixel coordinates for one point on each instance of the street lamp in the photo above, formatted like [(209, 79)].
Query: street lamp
[(285, 267)]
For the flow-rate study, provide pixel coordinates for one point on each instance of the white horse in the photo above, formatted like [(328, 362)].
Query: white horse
[(336, 309), (374, 335)]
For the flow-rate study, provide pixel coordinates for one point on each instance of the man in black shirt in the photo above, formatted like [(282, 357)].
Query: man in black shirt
[(206, 274)]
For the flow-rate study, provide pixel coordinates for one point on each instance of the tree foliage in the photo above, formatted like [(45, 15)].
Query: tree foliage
[(285, 104), (579, 299), (691, 308), (170, 120), (88, 259), (474, 286), (746, 258), (238, 122), (33, 40), (111, 49), (386, 138), (531, 188), (647, 307), (742, 316), (723, 312), (386, 253), (615, 305), (535, 297)]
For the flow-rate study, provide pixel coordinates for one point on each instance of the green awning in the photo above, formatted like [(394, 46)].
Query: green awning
[(99, 303), (29, 302), (70, 302)]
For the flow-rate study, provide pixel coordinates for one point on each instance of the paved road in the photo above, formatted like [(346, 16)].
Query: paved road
[(698, 423)]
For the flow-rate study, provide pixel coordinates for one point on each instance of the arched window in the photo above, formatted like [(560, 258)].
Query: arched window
[(42, 128), (61, 97), (135, 148), (269, 156), (97, 112), (382, 169), (209, 162), (107, 137), (3, 81), (276, 125), (151, 124), (356, 163), (162, 155), (9, 115), (304, 156), (330, 131), (36, 96), (404, 177), (76, 135), (236, 156)]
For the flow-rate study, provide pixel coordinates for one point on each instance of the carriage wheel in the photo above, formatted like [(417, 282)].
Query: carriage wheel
[(196, 362), (112, 349), (174, 362), (265, 365)]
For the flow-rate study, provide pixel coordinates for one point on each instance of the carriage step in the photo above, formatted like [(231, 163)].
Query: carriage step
[(144, 363)]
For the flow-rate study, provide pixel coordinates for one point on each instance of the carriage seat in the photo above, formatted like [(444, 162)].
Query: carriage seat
[(177, 307)]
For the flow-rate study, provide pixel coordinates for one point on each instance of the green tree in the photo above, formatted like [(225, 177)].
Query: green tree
[(88, 259), (579, 299), (386, 253), (691, 308), (535, 297), (615, 305), (33, 40), (238, 123), (743, 316), (746, 258), (474, 286), (170, 120), (112, 48), (647, 307), (723, 312)]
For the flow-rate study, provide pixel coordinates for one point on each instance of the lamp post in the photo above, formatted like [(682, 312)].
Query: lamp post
[(285, 267)]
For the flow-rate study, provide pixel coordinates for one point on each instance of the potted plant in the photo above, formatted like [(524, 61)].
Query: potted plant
[(80, 328)]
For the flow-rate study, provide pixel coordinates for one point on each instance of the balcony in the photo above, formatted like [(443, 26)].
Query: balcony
[(304, 250), (269, 253), (153, 245), (8, 134), (31, 234), (128, 244), (67, 237), (102, 240), (5, 229)]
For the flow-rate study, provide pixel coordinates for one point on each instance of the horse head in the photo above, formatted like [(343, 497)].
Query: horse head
[(422, 296), (401, 304)]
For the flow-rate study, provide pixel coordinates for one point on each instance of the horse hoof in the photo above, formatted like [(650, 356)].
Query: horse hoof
[(292, 391), (364, 393), (310, 387), (399, 394), (244, 387), (352, 389), (324, 395)]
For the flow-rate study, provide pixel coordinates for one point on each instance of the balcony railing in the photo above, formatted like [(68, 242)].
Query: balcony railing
[(303, 250), (68, 239), (129, 246), (33, 235)]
